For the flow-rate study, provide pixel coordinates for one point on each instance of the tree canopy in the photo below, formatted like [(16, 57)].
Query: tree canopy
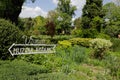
[(10, 9), (66, 12), (92, 16)]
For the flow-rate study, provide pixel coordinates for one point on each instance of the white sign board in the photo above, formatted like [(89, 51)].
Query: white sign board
[(18, 49)]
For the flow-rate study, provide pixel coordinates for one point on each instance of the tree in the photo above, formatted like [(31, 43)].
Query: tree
[(50, 28), (39, 25), (10, 9), (66, 12), (112, 19), (28, 25), (65, 6), (77, 23), (92, 16), (112, 11)]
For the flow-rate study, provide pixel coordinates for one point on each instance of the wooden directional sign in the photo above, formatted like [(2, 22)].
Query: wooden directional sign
[(18, 49)]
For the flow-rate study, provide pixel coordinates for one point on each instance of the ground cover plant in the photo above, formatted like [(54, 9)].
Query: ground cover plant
[(67, 63)]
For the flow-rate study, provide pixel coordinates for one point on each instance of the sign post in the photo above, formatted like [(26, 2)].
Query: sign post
[(19, 49)]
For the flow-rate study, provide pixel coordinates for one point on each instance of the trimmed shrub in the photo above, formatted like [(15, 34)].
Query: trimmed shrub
[(64, 43), (9, 34), (100, 46), (80, 41)]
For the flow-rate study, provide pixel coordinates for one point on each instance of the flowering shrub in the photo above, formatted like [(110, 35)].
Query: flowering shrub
[(100, 46)]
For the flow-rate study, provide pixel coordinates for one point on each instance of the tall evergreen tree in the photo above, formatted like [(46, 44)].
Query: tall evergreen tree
[(92, 15)]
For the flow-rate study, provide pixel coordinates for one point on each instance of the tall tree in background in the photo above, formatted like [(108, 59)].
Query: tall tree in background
[(10, 9), (92, 17), (39, 25), (112, 17), (66, 12), (50, 28)]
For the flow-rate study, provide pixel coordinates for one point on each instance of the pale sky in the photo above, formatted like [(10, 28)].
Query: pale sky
[(42, 7)]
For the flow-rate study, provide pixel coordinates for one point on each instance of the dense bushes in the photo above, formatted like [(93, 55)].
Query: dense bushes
[(112, 30), (9, 34), (100, 46), (90, 33), (76, 41), (116, 44), (77, 32), (80, 41)]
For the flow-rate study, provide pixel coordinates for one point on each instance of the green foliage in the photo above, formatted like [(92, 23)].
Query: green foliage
[(64, 43), (9, 34), (50, 28), (72, 54), (95, 62), (39, 26), (64, 25), (116, 44), (113, 63), (80, 41), (92, 18), (112, 30), (13, 9), (112, 13), (10, 9), (75, 41), (55, 39), (89, 33), (28, 25), (65, 7), (41, 59), (66, 11), (103, 36), (100, 46), (19, 70), (77, 32), (77, 23)]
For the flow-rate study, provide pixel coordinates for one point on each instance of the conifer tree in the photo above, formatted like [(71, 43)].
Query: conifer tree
[(92, 17)]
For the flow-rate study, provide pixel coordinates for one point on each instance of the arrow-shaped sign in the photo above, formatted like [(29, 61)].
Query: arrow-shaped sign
[(18, 49)]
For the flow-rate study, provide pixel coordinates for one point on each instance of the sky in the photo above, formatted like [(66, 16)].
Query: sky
[(42, 7)]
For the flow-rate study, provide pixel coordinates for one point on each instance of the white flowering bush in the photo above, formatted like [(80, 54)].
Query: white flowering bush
[(100, 46)]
